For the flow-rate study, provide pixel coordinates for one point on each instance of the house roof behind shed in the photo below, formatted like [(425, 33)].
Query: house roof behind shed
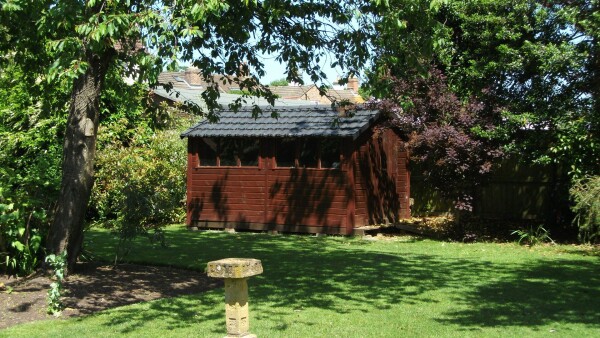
[(290, 92), (301, 121), (187, 95)]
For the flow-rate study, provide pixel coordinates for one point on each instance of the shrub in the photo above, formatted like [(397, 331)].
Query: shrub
[(456, 143), (20, 241), (279, 82), (140, 188), (31, 123), (585, 194)]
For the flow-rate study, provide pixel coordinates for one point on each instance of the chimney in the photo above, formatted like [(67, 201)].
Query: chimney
[(353, 84), (192, 76)]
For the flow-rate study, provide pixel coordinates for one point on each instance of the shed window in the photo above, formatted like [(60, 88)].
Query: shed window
[(330, 153), (248, 150), (286, 153), (208, 152), (308, 153), (229, 152)]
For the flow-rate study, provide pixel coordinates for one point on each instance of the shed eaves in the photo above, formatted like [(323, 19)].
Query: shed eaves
[(301, 121)]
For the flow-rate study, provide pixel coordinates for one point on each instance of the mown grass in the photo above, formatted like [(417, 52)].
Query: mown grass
[(349, 287)]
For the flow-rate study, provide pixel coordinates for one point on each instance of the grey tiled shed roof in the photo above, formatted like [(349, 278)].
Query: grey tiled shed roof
[(301, 121)]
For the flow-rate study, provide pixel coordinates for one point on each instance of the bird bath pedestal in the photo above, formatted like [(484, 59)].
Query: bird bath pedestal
[(235, 272)]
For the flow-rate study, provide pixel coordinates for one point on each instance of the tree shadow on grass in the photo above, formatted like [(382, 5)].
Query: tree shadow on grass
[(307, 272), (169, 314), (534, 294), (313, 274)]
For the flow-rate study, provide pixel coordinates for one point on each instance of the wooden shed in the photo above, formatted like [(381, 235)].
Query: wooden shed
[(308, 170)]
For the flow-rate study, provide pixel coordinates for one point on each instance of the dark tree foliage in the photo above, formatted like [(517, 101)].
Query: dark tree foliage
[(456, 142)]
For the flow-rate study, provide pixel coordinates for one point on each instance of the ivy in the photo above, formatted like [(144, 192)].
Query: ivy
[(58, 264)]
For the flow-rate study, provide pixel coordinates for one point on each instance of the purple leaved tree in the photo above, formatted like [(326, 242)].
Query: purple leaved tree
[(455, 142)]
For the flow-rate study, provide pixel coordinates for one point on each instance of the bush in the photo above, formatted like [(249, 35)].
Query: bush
[(140, 188), (456, 143), (279, 82), (32, 118), (20, 242), (585, 194)]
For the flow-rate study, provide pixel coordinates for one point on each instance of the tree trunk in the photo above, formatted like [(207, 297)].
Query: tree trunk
[(79, 150)]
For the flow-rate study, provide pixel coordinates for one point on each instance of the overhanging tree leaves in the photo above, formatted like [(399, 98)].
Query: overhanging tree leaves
[(86, 38)]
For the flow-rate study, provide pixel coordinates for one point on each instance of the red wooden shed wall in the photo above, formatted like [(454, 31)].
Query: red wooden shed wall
[(382, 179), (360, 192)]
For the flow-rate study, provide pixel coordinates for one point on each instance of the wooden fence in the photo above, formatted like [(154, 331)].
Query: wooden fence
[(515, 191)]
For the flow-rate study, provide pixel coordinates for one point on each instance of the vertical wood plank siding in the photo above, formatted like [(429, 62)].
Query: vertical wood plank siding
[(403, 180), (382, 179)]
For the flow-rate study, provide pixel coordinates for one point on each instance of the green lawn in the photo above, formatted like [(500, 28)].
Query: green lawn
[(349, 287)]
